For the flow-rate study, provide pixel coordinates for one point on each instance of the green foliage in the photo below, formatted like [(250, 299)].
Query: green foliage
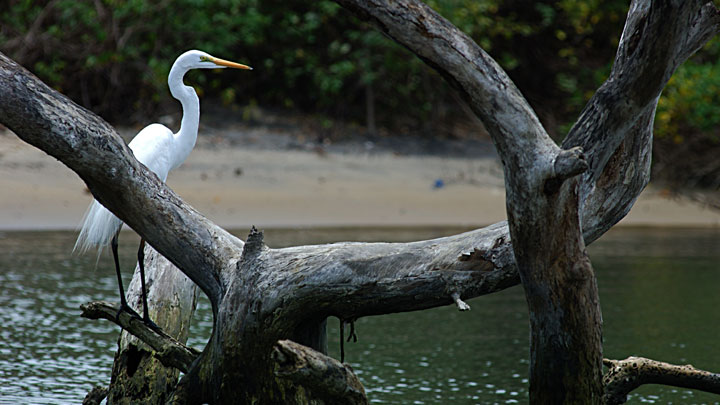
[(687, 144), (689, 104), (113, 55)]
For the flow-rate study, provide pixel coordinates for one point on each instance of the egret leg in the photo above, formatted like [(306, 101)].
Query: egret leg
[(141, 263), (342, 340), (123, 302), (352, 336)]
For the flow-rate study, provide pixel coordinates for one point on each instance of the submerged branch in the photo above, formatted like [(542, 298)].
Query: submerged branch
[(623, 376)]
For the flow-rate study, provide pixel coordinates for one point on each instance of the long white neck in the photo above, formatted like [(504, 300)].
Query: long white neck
[(186, 137)]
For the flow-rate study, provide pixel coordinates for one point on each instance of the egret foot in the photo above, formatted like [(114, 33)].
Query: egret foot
[(124, 307), (352, 336), (152, 325)]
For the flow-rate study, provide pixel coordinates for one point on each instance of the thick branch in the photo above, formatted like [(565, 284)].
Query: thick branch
[(616, 125), (623, 376), (326, 378), (351, 280), (91, 147), (509, 119), (168, 350)]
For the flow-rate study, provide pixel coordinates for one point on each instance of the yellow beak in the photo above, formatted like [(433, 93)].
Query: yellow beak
[(223, 62)]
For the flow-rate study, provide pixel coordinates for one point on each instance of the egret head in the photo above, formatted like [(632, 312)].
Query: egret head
[(195, 59)]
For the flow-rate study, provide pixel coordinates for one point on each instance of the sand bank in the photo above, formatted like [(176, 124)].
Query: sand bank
[(237, 188)]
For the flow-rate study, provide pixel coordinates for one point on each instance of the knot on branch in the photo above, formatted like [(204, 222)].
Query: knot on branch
[(568, 163), (254, 244), (476, 260)]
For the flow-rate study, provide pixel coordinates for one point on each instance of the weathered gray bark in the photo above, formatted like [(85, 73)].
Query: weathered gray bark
[(261, 296), (624, 376), (330, 380), (170, 351)]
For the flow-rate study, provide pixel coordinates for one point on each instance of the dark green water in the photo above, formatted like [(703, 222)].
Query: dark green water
[(659, 291)]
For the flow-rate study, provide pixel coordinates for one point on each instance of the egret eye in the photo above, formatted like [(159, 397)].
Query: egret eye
[(204, 58)]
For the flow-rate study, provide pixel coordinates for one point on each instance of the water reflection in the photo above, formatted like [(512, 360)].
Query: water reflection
[(658, 290), (48, 354)]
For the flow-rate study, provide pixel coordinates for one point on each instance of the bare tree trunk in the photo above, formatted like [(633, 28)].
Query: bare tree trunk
[(561, 292), (137, 376), (558, 199)]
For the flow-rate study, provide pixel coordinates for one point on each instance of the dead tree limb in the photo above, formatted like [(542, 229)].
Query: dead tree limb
[(623, 376), (168, 350), (615, 127), (327, 379)]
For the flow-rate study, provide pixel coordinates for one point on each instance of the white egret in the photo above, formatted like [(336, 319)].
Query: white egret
[(161, 151)]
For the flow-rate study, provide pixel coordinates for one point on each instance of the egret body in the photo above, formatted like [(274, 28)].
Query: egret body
[(161, 150)]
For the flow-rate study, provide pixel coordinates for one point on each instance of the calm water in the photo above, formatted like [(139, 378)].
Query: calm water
[(658, 290)]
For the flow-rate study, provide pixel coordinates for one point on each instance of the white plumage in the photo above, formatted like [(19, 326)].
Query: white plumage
[(153, 147), (156, 146), (161, 151)]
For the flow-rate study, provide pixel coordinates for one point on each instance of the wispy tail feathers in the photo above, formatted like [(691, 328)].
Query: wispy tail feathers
[(99, 227)]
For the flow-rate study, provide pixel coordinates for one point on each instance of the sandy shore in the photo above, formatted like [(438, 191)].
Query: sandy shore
[(237, 187)]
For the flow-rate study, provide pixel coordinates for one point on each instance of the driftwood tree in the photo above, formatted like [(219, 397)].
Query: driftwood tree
[(559, 198)]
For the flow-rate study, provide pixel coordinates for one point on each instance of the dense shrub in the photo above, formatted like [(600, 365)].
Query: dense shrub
[(113, 56), (687, 142)]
